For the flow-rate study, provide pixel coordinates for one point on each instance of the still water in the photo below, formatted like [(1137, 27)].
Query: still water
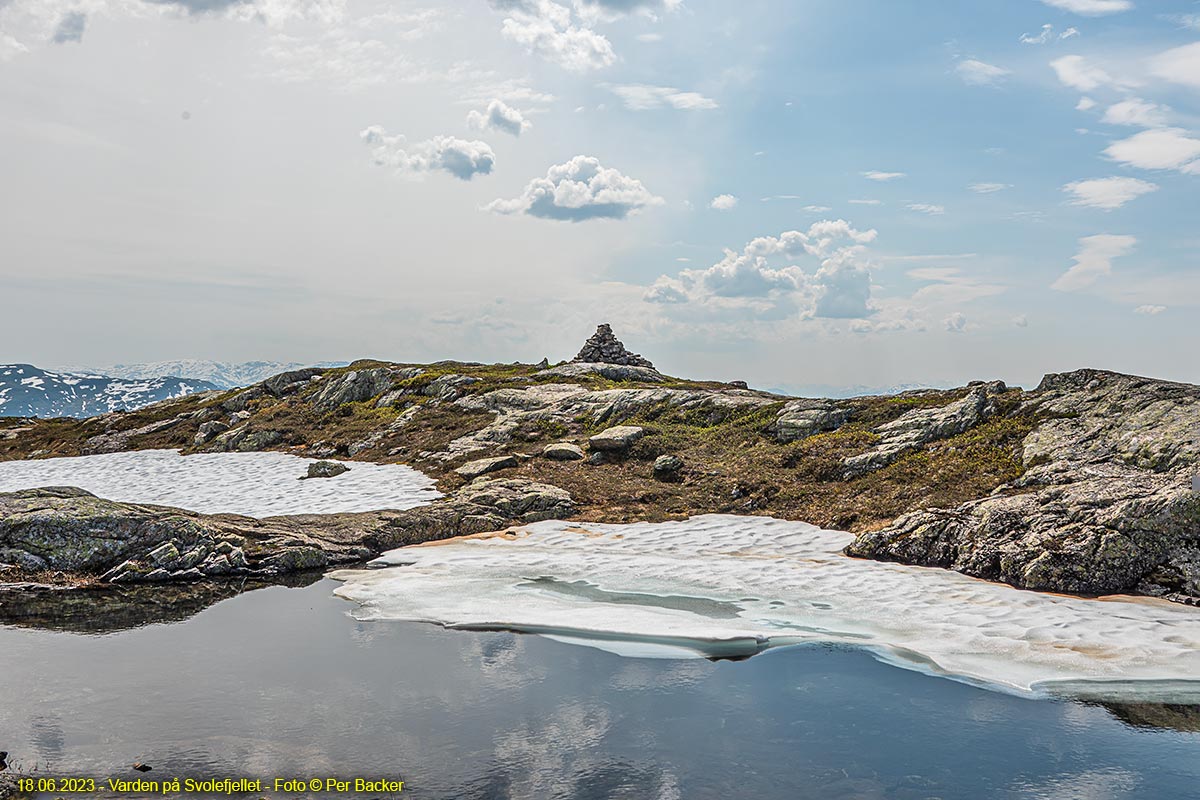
[(281, 682)]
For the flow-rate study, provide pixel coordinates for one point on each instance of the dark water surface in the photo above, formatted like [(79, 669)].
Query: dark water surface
[(280, 682)]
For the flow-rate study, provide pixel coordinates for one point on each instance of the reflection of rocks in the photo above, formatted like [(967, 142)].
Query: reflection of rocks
[(73, 531), (1165, 716), (116, 608)]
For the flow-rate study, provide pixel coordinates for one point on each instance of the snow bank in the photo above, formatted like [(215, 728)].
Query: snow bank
[(255, 484), (726, 586)]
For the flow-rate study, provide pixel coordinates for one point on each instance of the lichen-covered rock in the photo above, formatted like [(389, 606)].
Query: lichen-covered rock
[(207, 430), (286, 383), (799, 419), (563, 451), (1116, 530), (354, 386), (326, 469), (482, 466), (918, 427), (616, 438), (666, 466)]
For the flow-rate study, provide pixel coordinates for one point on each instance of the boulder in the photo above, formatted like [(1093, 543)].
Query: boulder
[(482, 466), (325, 469), (207, 430), (563, 451), (666, 466), (616, 439), (354, 386), (286, 383)]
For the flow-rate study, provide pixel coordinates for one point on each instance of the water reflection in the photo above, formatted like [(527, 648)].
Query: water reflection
[(280, 682)]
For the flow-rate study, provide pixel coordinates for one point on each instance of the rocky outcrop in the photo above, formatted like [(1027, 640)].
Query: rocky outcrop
[(1104, 505), (482, 466), (920, 426), (604, 348), (802, 418), (72, 531), (616, 439), (613, 372), (354, 386)]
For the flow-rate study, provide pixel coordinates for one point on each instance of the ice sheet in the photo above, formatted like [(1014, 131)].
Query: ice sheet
[(255, 484), (731, 586)]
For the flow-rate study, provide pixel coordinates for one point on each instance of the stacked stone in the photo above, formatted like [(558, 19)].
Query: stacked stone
[(604, 348)]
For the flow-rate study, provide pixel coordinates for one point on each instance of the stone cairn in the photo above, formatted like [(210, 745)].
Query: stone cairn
[(604, 348)]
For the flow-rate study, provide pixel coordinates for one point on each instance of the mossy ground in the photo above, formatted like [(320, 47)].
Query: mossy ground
[(732, 462)]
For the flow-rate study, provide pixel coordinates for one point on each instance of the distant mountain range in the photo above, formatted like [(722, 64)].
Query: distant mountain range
[(26, 391), (222, 374)]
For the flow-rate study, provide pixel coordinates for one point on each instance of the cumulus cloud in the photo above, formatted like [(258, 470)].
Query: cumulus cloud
[(70, 28), (550, 30), (1085, 104), (642, 97), (980, 73), (927, 208), (1150, 310), (1179, 65), (956, 322), (579, 190), (723, 202), (462, 159), (876, 175), (1093, 261), (764, 278), (501, 117), (1091, 8), (1108, 193), (1159, 148), (989, 188), (1078, 73), (1136, 111)]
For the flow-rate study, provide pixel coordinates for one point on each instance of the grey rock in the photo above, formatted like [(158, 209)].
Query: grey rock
[(165, 555), (259, 440), (286, 383), (22, 559), (482, 466), (596, 457), (326, 469), (354, 386), (603, 347), (207, 430), (242, 399), (799, 419), (563, 451), (296, 559), (617, 438), (613, 372), (448, 387), (667, 465)]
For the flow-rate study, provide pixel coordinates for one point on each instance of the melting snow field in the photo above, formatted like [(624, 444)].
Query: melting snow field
[(255, 484), (727, 585)]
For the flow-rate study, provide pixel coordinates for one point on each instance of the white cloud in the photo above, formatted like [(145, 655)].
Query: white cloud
[(1021, 321), (1160, 148), (817, 209), (1108, 193), (1076, 72), (927, 208), (750, 282), (864, 202), (1069, 33), (641, 97), (956, 322), (1179, 65), (1150, 310), (1094, 260), (649, 37), (876, 175), (1044, 36), (723, 202), (1136, 111), (1091, 8), (501, 117), (948, 286), (1085, 104), (462, 159), (989, 188), (580, 189), (549, 30), (980, 73)]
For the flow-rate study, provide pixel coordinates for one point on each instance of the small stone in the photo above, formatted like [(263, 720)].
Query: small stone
[(596, 457), (563, 451), (666, 465), (616, 438), (326, 469), (482, 466)]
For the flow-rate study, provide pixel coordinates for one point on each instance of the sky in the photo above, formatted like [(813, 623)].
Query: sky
[(805, 194)]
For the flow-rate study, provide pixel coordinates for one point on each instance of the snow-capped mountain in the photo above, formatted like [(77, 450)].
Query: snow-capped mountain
[(26, 391), (225, 375)]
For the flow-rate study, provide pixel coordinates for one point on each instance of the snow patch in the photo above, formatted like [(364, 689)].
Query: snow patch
[(254, 484), (720, 585)]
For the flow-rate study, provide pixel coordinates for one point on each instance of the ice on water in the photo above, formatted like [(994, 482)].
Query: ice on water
[(727, 585), (255, 484)]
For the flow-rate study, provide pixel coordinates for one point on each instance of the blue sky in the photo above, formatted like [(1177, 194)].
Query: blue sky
[(806, 195)]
